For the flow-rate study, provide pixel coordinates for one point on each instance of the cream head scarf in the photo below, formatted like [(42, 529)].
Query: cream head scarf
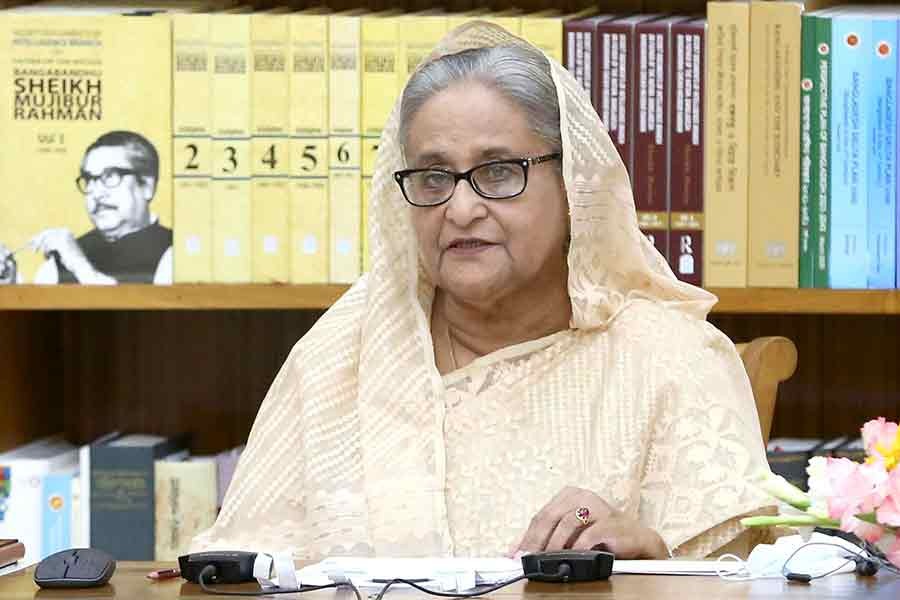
[(349, 451)]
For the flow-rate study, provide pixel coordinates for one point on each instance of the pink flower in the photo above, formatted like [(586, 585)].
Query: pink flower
[(893, 554), (855, 488), (889, 511), (865, 530), (882, 441)]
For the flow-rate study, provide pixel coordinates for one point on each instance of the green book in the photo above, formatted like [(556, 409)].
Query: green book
[(821, 168), (809, 148)]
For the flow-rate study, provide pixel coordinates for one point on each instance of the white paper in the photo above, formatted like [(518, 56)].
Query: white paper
[(672, 567), (445, 574)]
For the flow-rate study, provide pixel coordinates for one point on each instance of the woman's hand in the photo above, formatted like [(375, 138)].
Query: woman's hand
[(557, 527)]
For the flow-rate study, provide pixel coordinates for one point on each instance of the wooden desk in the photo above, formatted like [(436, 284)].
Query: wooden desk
[(129, 583)]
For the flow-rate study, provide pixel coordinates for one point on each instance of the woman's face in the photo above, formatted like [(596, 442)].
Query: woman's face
[(476, 249)]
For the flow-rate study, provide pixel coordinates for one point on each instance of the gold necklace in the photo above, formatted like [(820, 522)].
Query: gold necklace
[(450, 344)]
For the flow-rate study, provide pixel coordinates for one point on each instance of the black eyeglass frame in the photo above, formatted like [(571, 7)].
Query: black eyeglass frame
[(89, 177), (525, 163)]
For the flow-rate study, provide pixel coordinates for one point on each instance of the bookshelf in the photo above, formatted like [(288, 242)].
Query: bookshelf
[(200, 358)]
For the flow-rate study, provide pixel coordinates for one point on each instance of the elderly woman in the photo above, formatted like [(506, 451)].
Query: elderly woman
[(520, 370)]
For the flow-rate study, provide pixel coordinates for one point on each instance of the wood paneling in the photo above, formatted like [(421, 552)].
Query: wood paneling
[(174, 371), (90, 372), (31, 403), (847, 371)]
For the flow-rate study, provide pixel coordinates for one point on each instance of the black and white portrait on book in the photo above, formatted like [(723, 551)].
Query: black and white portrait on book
[(116, 181)]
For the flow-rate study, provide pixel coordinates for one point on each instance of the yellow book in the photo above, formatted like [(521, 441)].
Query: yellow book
[(774, 175), (726, 156), (309, 219), (270, 132), (309, 213), (192, 148), (185, 495), (420, 34), (380, 39), (231, 116), (545, 30), (88, 172), (345, 157), (507, 19)]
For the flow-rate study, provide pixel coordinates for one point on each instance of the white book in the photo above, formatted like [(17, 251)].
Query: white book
[(23, 470)]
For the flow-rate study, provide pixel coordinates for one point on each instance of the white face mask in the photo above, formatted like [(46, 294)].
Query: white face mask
[(819, 555)]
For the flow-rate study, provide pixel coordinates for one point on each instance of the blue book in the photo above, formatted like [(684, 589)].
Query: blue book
[(56, 517), (882, 147), (847, 253)]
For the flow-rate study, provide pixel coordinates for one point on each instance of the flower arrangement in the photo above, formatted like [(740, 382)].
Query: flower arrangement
[(860, 498)]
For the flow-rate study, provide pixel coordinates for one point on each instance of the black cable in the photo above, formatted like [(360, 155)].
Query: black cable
[(805, 577), (210, 571), (563, 574)]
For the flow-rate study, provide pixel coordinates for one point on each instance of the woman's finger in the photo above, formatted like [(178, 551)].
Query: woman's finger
[(567, 530)]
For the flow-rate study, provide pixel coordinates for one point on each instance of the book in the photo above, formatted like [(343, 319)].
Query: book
[(88, 102), (270, 147), (774, 103), (820, 176), (847, 259), (581, 54), (652, 133), (809, 150), (685, 150), (11, 552), (345, 146), (57, 519), (83, 517), (192, 147), (616, 81), (309, 210), (725, 144), (122, 504), (231, 147), (22, 473), (185, 503)]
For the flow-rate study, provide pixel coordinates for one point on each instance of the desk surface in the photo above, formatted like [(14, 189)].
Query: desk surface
[(129, 583)]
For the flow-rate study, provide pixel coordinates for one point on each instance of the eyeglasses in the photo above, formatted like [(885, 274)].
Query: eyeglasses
[(494, 180), (110, 177)]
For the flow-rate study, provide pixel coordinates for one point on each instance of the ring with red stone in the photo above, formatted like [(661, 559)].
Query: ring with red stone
[(583, 514)]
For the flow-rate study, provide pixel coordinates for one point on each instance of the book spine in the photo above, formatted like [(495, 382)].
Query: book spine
[(686, 152), (56, 519), (774, 144), (809, 151), (614, 85), (309, 212), (418, 36), (20, 505), (185, 498), (882, 190), (847, 245), (192, 148), (823, 166), (580, 49), (345, 186), (270, 145), (231, 116), (122, 512), (381, 59), (726, 155), (650, 176)]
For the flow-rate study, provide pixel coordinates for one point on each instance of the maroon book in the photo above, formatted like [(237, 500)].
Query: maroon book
[(686, 151), (617, 52), (579, 54), (650, 171)]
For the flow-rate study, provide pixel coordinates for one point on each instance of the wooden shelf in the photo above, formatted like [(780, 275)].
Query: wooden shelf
[(223, 297), (174, 297)]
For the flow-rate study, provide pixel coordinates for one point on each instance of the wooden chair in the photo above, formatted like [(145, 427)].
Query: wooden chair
[(769, 361)]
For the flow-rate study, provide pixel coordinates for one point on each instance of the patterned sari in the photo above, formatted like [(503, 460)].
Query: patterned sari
[(362, 447)]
